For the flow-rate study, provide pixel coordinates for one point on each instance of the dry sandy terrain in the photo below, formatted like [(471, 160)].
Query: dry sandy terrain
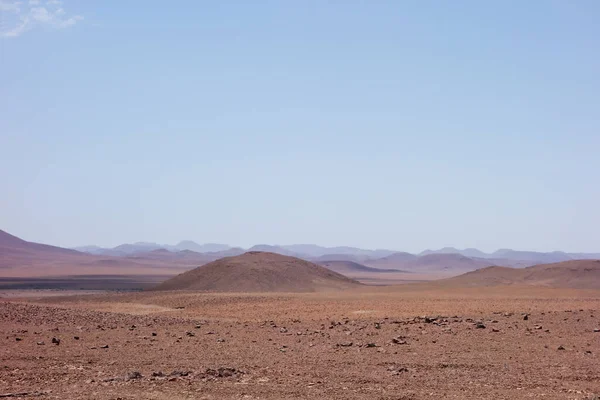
[(370, 343)]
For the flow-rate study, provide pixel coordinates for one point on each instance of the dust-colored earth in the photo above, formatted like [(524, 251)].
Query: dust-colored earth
[(418, 341)]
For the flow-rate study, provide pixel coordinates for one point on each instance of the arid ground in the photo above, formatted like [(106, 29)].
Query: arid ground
[(418, 341)]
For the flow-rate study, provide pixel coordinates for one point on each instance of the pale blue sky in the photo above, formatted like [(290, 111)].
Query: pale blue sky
[(379, 124)]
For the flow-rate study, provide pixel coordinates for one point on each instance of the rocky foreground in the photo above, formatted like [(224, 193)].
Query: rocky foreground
[(71, 351)]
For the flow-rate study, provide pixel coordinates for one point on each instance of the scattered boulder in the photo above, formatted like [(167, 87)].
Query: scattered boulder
[(55, 341), (134, 375), (223, 372), (397, 370), (561, 347), (479, 325)]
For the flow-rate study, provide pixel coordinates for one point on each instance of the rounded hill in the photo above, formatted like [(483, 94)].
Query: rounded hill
[(259, 272), (576, 274)]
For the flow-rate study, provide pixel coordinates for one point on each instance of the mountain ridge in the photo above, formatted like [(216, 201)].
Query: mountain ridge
[(314, 251)]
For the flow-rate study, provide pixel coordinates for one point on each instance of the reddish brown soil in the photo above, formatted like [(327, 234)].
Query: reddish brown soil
[(259, 272), (366, 343)]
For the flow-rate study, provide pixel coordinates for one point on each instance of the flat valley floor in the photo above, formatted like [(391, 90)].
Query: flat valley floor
[(408, 342)]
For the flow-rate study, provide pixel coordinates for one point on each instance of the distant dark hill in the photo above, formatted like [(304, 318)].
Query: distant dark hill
[(447, 262), (576, 274), (349, 268), (339, 257), (393, 261), (470, 252), (259, 272), (132, 248), (432, 262)]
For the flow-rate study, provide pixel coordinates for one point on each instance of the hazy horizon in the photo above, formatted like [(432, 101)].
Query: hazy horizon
[(246, 247), (402, 126)]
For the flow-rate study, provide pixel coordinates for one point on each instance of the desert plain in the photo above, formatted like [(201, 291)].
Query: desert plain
[(261, 325), (403, 342)]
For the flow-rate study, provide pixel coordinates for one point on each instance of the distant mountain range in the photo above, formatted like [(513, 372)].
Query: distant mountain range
[(320, 253), (128, 249), (534, 256), (21, 258)]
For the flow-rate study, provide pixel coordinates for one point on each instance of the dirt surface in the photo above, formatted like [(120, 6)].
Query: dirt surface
[(257, 271), (406, 342)]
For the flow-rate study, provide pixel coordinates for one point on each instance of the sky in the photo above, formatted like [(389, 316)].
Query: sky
[(403, 125)]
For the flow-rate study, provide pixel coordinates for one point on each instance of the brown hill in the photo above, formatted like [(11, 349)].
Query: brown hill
[(398, 260), (10, 245), (20, 258), (577, 274), (259, 272)]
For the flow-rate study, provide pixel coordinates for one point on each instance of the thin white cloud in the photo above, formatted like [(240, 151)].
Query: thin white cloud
[(17, 18)]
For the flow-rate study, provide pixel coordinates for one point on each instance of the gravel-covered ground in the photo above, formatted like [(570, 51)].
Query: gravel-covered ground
[(388, 344)]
